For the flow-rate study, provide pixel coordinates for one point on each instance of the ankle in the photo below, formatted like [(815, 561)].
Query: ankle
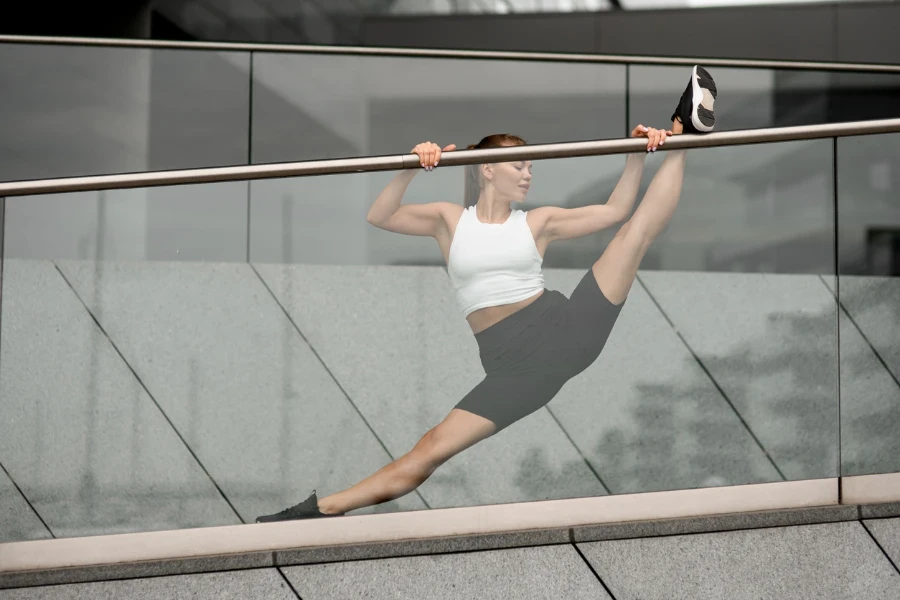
[(677, 126), (327, 506)]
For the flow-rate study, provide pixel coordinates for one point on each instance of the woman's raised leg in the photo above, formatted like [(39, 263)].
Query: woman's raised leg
[(459, 430), (617, 267)]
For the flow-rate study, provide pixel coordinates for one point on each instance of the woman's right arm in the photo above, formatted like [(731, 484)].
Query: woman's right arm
[(410, 219)]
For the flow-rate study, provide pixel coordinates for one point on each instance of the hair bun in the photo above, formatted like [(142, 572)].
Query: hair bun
[(472, 147)]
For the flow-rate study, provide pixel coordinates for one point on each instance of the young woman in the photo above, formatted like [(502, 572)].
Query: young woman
[(531, 340)]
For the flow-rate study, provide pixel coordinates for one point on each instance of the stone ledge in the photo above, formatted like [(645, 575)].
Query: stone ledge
[(454, 544)]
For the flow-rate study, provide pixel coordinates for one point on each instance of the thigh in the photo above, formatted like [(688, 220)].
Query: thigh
[(616, 269), (504, 399), (591, 317)]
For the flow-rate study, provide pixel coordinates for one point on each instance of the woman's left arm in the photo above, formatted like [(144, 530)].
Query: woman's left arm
[(556, 223)]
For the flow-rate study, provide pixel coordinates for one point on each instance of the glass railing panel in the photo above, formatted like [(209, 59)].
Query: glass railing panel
[(754, 98), (93, 442), (82, 110), (869, 289), (17, 520), (172, 389), (303, 111)]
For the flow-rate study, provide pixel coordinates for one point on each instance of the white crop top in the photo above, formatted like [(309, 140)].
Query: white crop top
[(492, 264)]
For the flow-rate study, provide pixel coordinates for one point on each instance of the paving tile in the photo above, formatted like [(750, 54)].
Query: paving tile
[(547, 572), (880, 510), (462, 543), (180, 566), (887, 532), (240, 585), (830, 561), (712, 523)]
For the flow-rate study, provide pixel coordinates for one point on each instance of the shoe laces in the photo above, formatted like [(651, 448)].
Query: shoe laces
[(299, 506)]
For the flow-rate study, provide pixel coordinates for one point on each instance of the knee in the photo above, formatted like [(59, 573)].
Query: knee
[(425, 456), (635, 233)]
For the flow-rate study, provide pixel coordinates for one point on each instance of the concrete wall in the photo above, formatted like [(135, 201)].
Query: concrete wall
[(844, 32)]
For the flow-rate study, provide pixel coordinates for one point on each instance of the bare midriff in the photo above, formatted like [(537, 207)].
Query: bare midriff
[(483, 318)]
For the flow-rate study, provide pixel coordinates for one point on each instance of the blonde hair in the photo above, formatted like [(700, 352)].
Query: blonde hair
[(473, 177)]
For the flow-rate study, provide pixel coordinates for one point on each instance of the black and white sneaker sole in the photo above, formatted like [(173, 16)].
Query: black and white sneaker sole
[(703, 98)]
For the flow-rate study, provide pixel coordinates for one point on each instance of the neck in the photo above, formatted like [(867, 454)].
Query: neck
[(491, 210)]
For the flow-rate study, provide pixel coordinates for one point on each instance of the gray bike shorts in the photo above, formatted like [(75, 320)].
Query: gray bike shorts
[(529, 355)]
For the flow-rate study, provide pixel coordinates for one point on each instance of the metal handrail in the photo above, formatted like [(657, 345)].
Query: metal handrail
[(450, 159), (469, 54)]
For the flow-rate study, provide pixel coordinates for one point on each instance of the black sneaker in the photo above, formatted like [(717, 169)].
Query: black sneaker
[(308, 509), (695, 109)]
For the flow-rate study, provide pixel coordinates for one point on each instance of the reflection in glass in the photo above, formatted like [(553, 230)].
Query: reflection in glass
[(757, 98), (869, 292), (380, 104), (178, 223), (82, 110)]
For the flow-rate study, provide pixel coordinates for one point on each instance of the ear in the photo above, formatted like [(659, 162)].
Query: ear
[(488, 171)]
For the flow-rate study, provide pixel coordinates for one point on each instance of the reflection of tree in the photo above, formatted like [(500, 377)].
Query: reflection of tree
[(869, 426), (648, 457), (538, 480)]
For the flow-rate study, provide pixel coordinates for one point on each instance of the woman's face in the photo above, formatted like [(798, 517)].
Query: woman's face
[(511, 180)]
